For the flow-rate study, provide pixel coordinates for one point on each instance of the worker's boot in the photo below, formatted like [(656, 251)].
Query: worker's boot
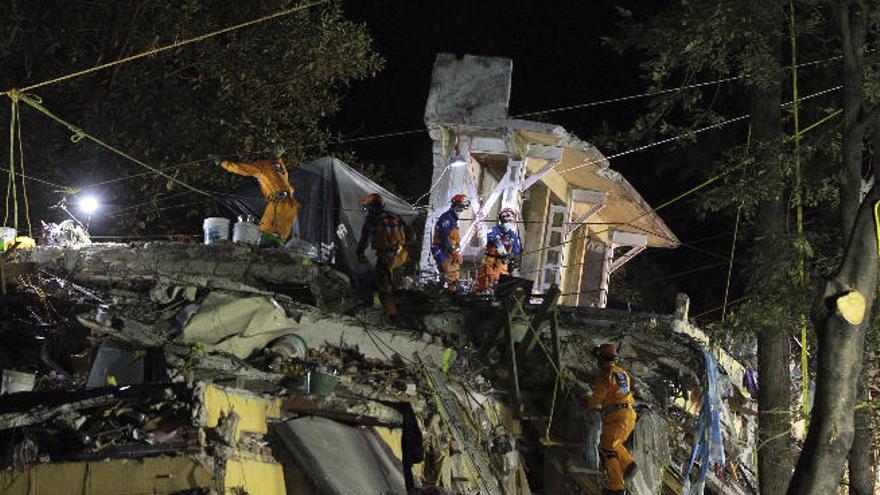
[(630, 473)]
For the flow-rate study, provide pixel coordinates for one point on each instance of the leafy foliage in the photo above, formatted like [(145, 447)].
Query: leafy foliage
[(236, 95)]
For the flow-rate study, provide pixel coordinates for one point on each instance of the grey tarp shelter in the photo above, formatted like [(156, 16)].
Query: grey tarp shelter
[(331, 216)]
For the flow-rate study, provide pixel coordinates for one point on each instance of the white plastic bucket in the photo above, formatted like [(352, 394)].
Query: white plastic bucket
[(216, 229), (246, 233), (16, 381), (7, 236)]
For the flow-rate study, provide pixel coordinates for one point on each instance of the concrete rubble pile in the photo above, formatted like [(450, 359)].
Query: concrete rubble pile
[(170, 367), (182, 368)]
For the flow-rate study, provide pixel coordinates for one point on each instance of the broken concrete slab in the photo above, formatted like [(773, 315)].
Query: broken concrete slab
[(321, 329), (238, 267)]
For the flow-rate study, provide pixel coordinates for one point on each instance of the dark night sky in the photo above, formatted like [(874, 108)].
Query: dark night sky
[(558, 59)]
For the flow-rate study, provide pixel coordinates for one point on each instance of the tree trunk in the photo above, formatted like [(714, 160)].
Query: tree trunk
[(841, 340), (774, 396), (840, 345), (861, 455)]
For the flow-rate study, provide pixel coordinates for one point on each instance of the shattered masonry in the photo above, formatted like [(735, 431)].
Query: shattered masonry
[(193, 416)]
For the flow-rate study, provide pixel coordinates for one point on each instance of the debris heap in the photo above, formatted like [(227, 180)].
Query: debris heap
[(172, 367)]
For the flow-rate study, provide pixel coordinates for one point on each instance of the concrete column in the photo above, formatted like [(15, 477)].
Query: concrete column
[(575, 258), (534, 217), (595, 275)]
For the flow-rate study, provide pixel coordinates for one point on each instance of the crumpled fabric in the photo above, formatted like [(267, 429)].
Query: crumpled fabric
[(708, 446), (750, 382), (594, 434)]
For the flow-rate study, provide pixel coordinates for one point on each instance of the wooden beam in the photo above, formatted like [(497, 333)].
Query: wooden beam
[(619, 262), (535, 177), (588, 196), (356, 412), (621, 238), (581, 220)]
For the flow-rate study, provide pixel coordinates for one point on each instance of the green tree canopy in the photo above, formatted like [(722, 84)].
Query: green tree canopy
[(235, 95)]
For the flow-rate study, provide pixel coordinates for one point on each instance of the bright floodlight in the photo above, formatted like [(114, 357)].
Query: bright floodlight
[(458, 160), (88, 204)]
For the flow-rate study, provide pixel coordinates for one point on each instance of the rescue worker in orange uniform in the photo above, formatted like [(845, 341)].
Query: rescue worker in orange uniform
[(502, 246), (444, 247), (386, 233), (281, 206), (612, 391)]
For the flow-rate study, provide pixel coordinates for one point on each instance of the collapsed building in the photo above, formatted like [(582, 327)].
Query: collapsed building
[(171, 367), (580, 220)]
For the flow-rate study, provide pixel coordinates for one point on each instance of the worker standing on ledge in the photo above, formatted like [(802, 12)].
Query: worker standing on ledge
[(612, 391), (386, 233), (444, 247), (502, 246), (281, 206)]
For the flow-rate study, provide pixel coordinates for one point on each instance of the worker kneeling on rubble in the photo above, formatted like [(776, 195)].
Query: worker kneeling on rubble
[(502, 248), (612, 391), (281, 206), (444, 247), (387, 233)]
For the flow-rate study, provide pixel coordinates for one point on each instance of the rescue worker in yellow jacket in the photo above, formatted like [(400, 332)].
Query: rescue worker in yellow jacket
[(444, 245), (387, 234), (281, 206), (612, 391)]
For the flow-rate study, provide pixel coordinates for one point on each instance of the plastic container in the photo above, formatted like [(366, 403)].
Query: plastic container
[(291, 346), (7, 236), (322, 384), (17, 381), (246, 231), (216, 229)]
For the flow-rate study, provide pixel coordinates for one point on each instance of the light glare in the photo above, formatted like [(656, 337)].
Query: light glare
[(88, 204), (458, 161)]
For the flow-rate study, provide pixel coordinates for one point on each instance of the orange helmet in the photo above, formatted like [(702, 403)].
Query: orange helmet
[(606, 351), (374, 200), (461, 200), (507, 215)]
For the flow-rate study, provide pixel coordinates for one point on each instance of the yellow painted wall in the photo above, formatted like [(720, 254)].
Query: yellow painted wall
[(392, 438), (256, 477), (153, 475), (253, 410)]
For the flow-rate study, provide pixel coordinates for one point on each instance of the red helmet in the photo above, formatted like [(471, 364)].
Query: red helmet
[(373, 200), (606, 351), (507, 215), (461, 200)]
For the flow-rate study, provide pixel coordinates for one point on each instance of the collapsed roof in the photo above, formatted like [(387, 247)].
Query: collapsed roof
[(237, 411)]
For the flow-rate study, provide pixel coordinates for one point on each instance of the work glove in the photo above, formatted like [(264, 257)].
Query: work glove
[(456, 256)]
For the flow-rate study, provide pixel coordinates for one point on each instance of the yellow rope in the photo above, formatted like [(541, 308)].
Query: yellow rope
[(552, 408), (172, 46), (10, 177), (798, 204), (24, 194), (12, 124), (877, 225), (538, 339), (730, 264), (79, 134)]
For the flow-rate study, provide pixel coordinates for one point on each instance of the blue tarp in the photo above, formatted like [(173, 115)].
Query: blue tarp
[(708, 449)]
